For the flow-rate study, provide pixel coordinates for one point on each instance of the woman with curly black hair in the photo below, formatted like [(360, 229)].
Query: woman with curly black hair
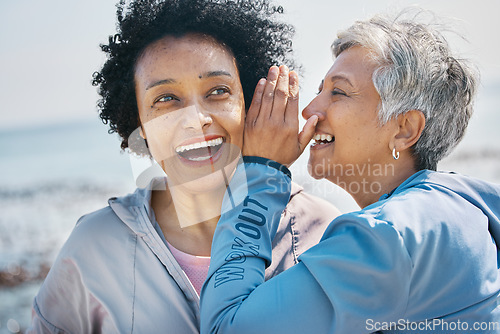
[(178, 80)]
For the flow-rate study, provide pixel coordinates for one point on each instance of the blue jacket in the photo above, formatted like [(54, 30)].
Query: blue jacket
[(422, 259)]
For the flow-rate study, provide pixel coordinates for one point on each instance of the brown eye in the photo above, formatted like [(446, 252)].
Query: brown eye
[(337, 91), (219, 91), (165, 98)]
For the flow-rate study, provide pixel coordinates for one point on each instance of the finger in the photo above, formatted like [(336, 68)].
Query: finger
[(292, 106), (280, 95), (254, 109), (307, 132), (268, 95)]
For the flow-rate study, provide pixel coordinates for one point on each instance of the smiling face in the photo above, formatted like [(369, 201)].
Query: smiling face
[(191, 105), (349, 142)]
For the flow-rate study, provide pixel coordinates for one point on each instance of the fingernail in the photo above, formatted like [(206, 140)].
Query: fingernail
[(293, 77), (315, 122), (262, 82), (273, 72)]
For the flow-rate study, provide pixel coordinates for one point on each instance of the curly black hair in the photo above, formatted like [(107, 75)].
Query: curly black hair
[(248, 28)]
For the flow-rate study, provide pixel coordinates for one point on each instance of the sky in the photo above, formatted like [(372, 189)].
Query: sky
[(49, 49)]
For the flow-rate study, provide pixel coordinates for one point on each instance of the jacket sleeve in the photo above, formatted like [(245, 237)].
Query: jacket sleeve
[(357, 275), (39, 324), (63, 304)]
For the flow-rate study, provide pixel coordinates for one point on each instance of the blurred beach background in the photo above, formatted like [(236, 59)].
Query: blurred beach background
[(58, 162)]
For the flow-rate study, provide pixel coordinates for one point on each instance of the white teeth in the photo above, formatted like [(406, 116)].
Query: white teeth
[(322, 137), (200, 158), (210, 143)]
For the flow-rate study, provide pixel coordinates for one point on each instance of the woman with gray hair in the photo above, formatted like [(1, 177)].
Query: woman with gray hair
[(421, 255)]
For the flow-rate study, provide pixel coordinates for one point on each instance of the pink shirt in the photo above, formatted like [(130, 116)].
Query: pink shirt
[(195, 267)]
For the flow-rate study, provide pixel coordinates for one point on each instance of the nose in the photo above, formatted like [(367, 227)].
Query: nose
[(315, 107), (197, 117)]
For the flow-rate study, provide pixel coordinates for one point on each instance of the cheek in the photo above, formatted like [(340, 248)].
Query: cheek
[(159, 134), (350, 124), (235, 127), (233, 121), (158, 148), (339, 122)]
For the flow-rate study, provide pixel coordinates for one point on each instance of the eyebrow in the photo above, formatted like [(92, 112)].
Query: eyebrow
[(215, 74), (341, 78), (160, 82), (206, 75)]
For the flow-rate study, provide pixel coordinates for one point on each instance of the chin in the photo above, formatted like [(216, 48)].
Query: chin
[(316, 170), (317, 167), (214, 182), (206, 180)]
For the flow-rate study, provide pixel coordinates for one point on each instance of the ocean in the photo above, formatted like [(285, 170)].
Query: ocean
[(52, 175)]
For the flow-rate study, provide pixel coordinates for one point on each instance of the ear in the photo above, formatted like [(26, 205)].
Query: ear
[(410, 127)]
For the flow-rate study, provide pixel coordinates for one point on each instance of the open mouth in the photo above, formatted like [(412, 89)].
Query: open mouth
[(201, 151), (321, 140)]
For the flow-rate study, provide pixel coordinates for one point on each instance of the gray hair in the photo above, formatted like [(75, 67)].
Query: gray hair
[(416, 71)]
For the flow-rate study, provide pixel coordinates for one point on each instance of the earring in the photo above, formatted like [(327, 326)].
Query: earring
[(395, 154)]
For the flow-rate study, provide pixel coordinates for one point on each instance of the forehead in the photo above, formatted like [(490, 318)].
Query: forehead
[(356, 63), (194, 51)]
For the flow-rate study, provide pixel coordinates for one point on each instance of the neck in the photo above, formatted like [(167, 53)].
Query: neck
[(366, 188), (188, 220)]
